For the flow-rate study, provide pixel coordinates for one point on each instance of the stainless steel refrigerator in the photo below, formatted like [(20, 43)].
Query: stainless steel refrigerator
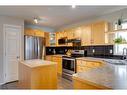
[(34, 47)]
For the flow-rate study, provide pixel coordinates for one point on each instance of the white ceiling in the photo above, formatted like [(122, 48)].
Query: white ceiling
[(57, 16)]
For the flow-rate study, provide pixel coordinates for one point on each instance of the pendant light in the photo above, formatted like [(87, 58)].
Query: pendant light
[(36, 20)]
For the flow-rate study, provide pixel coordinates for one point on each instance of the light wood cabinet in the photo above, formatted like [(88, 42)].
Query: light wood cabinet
[(48, 58), (59, 63), (39, 33), (47, 38), (92, 34), (33, 75), (86, 35), (98, 33), (83, 65), (34, 32), (70, 35), (77, 32), (84, 84), (58, 60), (29, 32)]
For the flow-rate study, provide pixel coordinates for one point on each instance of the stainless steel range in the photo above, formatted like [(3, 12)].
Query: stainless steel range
[(69, 63)]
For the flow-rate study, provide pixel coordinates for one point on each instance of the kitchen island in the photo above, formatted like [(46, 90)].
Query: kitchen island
[(107, 76), (37, 74)]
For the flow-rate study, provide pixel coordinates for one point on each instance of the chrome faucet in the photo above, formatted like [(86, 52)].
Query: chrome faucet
[(125, 53)]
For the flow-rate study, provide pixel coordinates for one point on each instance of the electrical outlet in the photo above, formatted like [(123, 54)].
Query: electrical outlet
[(93, 50), (110, 51)]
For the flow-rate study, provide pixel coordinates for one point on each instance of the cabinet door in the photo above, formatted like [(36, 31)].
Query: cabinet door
[(59, 64), (29, 32), (70, 35), (57, 37), (39, 33), (84, 65), (98, 32), (77, 32), (46, 35), (49, 58), (86, 35)]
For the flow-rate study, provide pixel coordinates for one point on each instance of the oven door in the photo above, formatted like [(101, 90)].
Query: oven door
[(68, 65)]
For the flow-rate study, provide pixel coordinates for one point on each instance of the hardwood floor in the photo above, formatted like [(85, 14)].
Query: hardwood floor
[(62, 84)]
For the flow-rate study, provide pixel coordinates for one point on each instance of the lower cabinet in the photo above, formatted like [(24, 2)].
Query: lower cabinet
[(57, 59), (86, 85), (84, 65), (48, 57)]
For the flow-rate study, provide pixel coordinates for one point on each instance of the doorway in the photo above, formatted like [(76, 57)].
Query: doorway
[(12, 52)]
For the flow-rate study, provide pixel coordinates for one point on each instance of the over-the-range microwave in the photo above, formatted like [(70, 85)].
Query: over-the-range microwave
[(62, 40)]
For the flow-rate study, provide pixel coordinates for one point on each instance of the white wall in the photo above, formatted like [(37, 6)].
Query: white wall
[(11, 21), (107, 17)]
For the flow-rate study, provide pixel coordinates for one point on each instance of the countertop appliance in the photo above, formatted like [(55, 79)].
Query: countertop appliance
[(69, 63), (34, 47)]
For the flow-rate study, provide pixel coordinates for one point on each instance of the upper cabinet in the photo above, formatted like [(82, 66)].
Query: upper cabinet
[(29, 32), (39, 33), (90, 34), (77, 32), (34, 32), (47, 38), (98, 33), (86, 38)]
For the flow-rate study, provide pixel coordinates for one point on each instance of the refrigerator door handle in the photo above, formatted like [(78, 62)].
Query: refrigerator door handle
[(38, 48)]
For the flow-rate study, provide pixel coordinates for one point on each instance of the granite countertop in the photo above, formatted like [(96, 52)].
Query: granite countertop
[(37, 62), (109, 75)]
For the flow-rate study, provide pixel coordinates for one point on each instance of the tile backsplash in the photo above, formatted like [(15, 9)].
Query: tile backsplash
[(103, 50)]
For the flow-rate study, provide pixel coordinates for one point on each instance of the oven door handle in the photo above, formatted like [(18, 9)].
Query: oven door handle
[(68, 59)]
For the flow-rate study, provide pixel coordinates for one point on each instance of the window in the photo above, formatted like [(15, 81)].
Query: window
[(118, 48), (124, 25)]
